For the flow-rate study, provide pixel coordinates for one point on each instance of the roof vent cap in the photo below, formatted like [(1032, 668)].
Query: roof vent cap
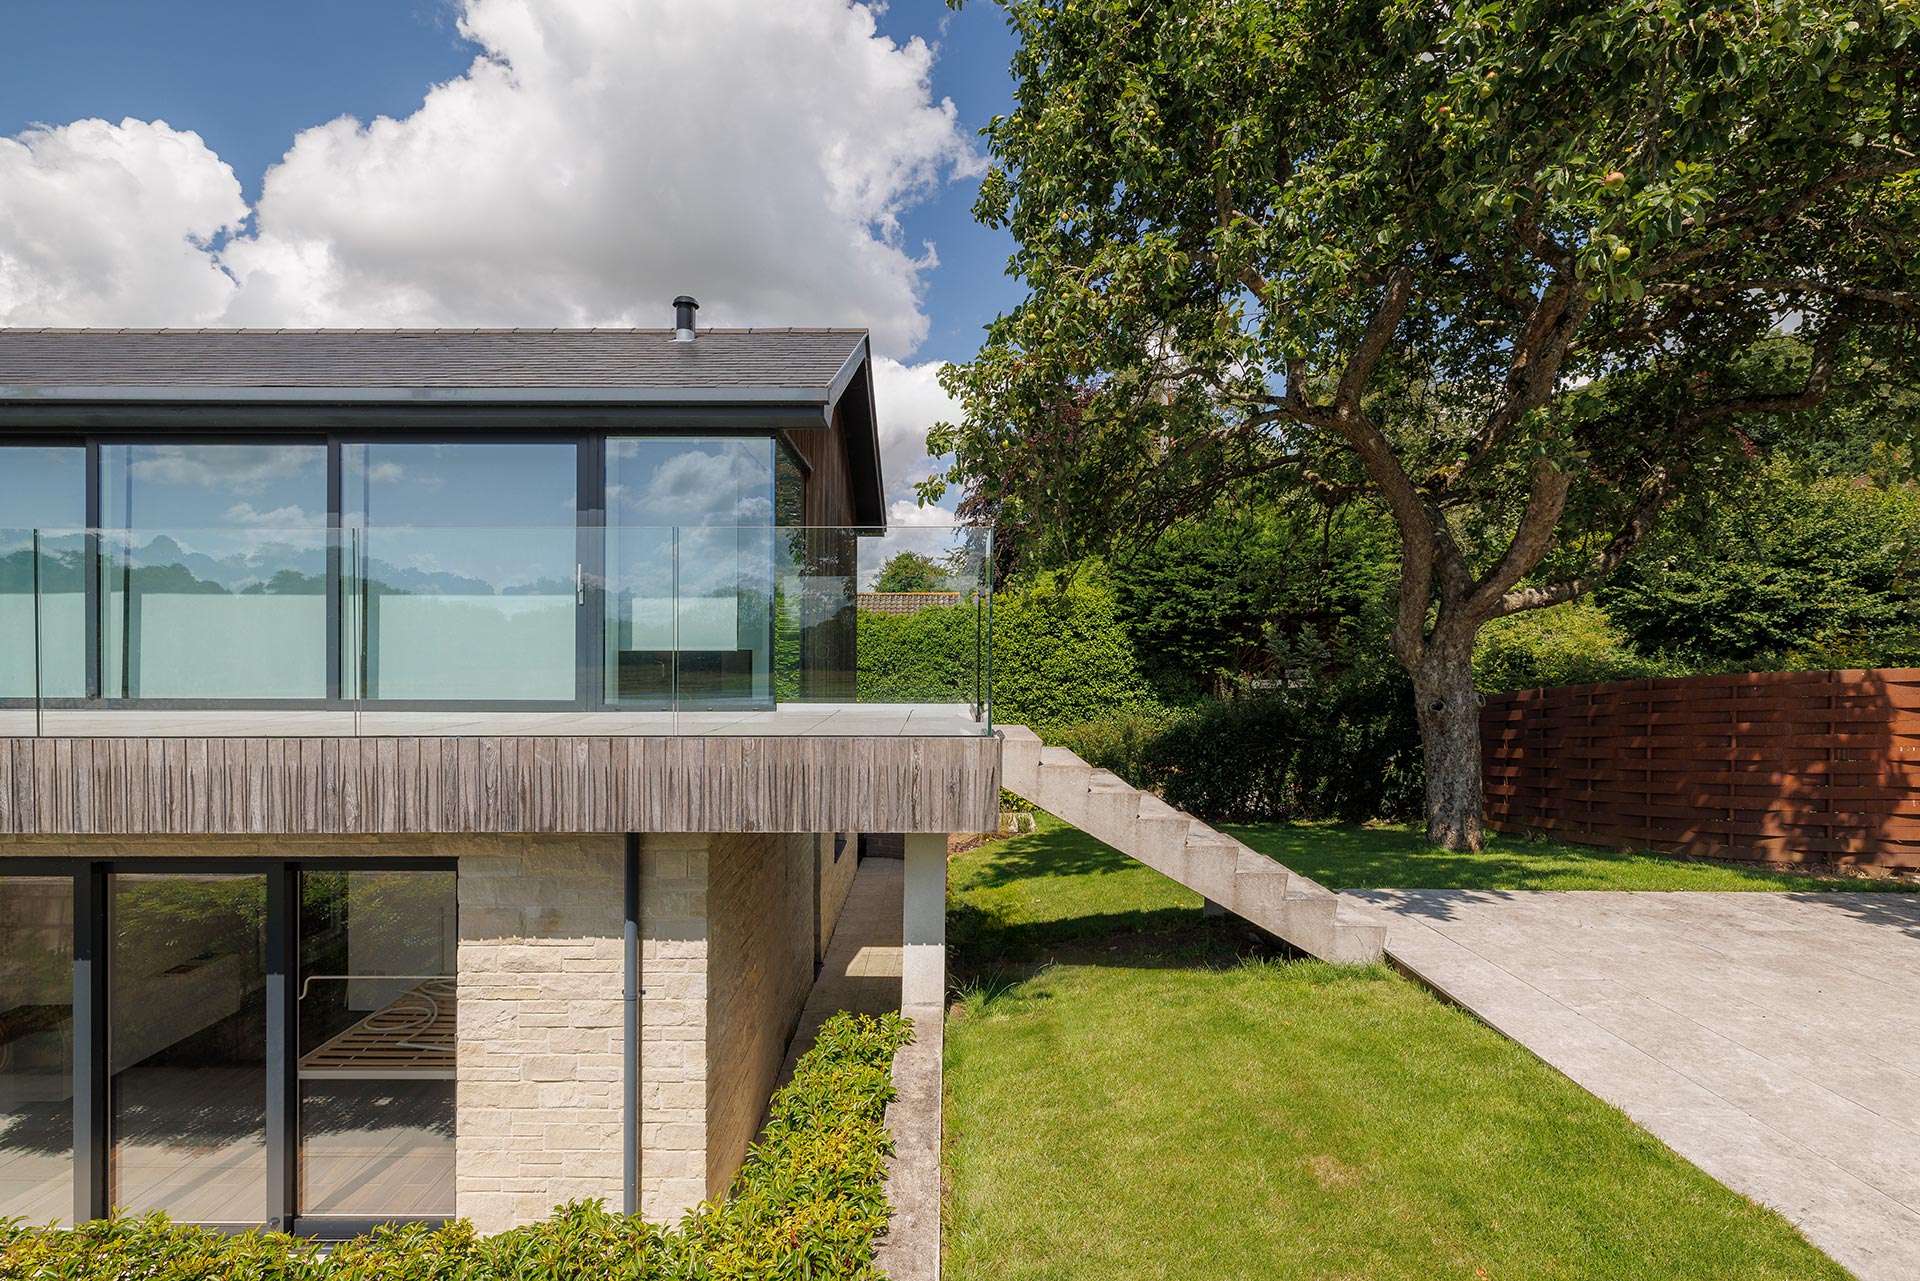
[(683, 309)]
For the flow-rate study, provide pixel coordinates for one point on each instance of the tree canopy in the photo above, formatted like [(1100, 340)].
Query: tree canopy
[(1525, 274)]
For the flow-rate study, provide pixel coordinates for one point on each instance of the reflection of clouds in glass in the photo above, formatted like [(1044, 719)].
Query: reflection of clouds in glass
[(386, 473), (292, 516), (240, 469), (673, 482)]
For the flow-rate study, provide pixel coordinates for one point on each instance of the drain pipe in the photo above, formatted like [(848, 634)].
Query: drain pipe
[(630, 1100)]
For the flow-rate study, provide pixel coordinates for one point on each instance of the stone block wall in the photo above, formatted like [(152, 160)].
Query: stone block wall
[(541, 1031), (836, 882), (760, 902)]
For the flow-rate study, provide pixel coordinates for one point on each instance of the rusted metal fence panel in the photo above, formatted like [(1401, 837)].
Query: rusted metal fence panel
[(1820, 767)]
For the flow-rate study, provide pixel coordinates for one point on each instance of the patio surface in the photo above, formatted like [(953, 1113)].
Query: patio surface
[(818, 720), (1771, 1039)]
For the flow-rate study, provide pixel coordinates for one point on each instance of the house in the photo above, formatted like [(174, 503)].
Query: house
[(432, 763)]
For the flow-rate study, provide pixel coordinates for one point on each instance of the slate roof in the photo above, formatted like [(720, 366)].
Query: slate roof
[(758, 364)]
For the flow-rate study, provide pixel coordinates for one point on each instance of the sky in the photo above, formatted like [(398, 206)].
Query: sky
[(512, 162)]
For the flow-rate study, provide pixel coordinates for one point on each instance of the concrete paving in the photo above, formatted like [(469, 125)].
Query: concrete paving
[(862, 973), (1771, 1039)]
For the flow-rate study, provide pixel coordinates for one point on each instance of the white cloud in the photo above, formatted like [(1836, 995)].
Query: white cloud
[(600, 157), (910, 401), (104, 224), (238, 469)]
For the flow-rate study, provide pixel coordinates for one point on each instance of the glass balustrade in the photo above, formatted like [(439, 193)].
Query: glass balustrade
[(372, 629)]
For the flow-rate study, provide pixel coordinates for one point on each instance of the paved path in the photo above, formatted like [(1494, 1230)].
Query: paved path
[(1771, 1039), (861, 973)]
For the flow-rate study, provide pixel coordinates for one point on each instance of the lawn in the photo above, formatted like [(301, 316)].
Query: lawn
[(1379, 856), (1134, 1092)]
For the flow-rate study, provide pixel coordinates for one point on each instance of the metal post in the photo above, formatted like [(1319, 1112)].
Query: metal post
[(631, 1094), (283, 1085), (90, 1043)]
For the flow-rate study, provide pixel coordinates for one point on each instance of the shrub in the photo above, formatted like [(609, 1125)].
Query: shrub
[(1121, 741), (1060, 655), (1348, 750), (1573, 644), (805, 1205)]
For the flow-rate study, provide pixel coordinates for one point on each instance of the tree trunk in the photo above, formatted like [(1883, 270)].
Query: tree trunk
[(1449, 711)]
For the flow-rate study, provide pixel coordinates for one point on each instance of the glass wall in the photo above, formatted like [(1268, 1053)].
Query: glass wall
[(376, 1022), (465, 577), (36, 1048), (43, 488), (213, 564), (187, 1037), (690, 571)]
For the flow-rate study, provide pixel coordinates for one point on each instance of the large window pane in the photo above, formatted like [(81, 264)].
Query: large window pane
[(44, 489), (465, 577), (187, 1046), (36, 1048), (690, 571), (376, 1023), (214, 571)]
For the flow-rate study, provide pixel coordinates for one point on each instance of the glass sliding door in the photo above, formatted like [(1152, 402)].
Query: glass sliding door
[(466, 580), (690, 572), (43, 490), (375, 1025), (213, 571), (187, 1046), (36, 1048)]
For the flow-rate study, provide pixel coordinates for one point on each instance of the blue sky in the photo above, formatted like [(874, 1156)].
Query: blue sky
[(248, 75)]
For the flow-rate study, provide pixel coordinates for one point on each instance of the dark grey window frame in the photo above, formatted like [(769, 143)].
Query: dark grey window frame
[(92, 1140), (588, 433)]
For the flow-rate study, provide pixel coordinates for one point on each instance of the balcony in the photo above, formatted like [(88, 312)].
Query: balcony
[(563, 631)]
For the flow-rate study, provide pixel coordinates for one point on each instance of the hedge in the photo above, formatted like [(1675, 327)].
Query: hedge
[(1061, 655), (805, 1205)]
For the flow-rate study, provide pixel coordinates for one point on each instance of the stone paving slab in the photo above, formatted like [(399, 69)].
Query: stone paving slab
[(1771, 1039)]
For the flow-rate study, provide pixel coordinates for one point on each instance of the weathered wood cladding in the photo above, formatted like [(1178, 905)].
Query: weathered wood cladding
[(268, 786), (829, 495)]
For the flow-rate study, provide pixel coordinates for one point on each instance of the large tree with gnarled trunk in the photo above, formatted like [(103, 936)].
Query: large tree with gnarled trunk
[(1524, 273)]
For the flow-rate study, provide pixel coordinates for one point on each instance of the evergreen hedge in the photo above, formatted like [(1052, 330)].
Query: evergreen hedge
[(1061, 655), (805, 1206)]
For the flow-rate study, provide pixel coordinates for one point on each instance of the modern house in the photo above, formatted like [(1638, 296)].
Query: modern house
[(431, 762)]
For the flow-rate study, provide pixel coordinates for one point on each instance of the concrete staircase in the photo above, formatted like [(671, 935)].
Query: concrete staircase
[(1140, 824)]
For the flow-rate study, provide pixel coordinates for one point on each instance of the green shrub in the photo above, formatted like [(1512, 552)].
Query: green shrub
[(805, 1205), (1347, 750), (1060, 655), (1573, 644), (1121, 741)]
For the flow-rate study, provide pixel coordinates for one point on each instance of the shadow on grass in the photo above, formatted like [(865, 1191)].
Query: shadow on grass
[(1048, 853)]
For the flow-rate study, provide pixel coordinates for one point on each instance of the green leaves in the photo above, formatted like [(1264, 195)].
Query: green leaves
[(805, 1205)]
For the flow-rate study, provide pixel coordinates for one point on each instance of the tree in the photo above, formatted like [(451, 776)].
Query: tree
[(909, 572), (1525, 274)]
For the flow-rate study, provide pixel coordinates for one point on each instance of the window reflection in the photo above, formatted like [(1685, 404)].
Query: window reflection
[(213, 571), (464, 571), (36, 1048), (690, 571), (186, 1012), (376, 1028), (44, 489)]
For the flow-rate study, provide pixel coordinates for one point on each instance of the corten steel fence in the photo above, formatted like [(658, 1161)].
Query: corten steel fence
[(1809, 767)]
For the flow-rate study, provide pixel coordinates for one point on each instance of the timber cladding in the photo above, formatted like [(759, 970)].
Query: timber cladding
[(1820, 767), (267, 786)]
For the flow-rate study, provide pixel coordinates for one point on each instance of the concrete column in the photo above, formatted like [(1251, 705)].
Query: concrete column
[(923, 926)]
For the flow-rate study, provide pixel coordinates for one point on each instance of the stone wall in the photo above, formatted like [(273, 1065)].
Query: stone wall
[(541, 1030), (836, 882), (760, 900)]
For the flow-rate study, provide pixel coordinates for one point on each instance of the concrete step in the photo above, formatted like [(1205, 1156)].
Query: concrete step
[(1214, 865), (1019, 760)]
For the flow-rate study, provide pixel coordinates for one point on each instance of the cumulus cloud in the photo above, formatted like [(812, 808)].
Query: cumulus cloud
[(105, 224), (599, 157), (910, 401)]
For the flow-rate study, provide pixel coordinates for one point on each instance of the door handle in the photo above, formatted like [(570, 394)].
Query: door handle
[(579, 583)]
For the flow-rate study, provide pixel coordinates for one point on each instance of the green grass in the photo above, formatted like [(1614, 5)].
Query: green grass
[(1379, 856), (1162, 1102)]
